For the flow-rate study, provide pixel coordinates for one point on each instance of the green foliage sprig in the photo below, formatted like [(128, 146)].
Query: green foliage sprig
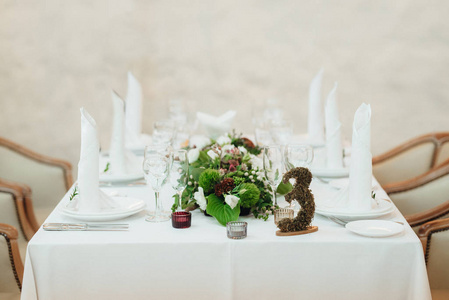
[(74, 193)]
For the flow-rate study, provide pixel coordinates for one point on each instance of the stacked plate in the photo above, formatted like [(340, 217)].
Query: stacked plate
[(127, 207)]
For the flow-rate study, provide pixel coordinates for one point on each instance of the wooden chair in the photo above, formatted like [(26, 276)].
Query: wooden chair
[(434, 236), (412, 158), (11, 266), (423, 198), (48, 178)]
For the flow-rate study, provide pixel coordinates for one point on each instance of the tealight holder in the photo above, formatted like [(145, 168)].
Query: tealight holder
[(237, 230), (181, 219), (283, 213)]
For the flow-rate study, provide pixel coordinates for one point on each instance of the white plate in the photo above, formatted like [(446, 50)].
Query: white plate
[(344, 182), (128, 206), (120, 177), (385, 207), (375, 228), (335, 173)]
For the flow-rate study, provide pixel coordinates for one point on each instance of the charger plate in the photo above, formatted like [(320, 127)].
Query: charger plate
[(385, 207), (127, 206), (333, 173)]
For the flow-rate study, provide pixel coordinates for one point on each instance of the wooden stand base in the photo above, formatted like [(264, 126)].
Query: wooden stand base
[(308, 230)]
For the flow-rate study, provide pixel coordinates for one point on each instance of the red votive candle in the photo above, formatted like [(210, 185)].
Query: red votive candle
[(181, 219)]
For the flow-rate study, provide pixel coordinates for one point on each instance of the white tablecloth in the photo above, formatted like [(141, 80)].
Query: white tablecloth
[(156, 261)]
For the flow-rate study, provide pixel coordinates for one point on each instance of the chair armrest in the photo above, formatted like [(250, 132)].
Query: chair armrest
[(21, 194), (425, 232), (64, 165), (10, 234)]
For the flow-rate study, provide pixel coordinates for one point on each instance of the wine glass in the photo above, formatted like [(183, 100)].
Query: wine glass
[(298, 155), (273, 165), (164, 132), (281, 131), (179, 173), (156, 166)]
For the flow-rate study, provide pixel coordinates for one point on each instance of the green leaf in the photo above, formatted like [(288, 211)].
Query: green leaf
[(284, 188), (222, 211), (196, 172)]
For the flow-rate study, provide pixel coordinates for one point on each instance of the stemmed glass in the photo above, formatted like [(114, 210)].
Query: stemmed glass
[(164, 132), (273, 165), (298, 155), (281, 131), (156, 166), (179, 173)]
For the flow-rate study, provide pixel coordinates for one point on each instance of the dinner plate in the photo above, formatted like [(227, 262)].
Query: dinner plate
[(334, 173), (127, 207), (344, 182), (385, 207), (120, 177), (375, 228)]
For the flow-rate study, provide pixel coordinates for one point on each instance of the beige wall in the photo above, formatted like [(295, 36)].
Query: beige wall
[(56, 56)]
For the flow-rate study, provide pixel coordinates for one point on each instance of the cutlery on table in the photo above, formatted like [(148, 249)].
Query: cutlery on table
[(84, 227), (111, 184)]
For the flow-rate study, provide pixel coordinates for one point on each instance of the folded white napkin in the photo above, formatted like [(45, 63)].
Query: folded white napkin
[(360, 175), (334, 152), (216, 126), (90, 199), (133, 114), (121, 161), (315, 124)]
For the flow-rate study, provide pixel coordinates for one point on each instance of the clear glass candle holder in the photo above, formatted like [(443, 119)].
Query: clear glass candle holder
[(283, 213), (181, 219), (237, 230)]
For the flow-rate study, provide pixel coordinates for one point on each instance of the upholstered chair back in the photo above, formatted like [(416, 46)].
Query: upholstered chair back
[(434, 236), (48, 178), (11, 266), (412, 158)]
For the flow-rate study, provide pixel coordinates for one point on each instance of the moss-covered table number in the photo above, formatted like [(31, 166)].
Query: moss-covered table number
[(301, 224)]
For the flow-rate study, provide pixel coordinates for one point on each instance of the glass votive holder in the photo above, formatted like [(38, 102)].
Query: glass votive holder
[(181, 219), (283, 213), (237, 230)]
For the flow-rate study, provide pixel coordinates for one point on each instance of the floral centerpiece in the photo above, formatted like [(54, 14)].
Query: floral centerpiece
[(226, 179)]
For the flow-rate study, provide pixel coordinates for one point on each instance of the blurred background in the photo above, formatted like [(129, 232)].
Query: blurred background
[(57, 56)]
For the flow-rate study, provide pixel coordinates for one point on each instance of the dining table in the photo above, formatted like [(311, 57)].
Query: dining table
[(157, 261)]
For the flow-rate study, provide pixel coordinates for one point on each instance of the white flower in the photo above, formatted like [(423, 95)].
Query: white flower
[(256, 162), (246, 174), (244, 167), (250, 176), (193, 155), (224, 139), (243, 149), (200, 141), (232, 200), (226, 148), (212, 154), (200, 199)]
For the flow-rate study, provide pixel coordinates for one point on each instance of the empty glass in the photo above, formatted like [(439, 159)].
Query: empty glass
[(281, 131), (164, 132), (156, 165), (298, 155), (273, 165), (179, 173)]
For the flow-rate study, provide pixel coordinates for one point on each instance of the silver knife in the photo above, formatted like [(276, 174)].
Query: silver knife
[(84, 227)]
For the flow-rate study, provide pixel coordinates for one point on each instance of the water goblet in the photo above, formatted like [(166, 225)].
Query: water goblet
[(273, 165), (156, 165), (179, 173), (164, 132), (298, 155), (281, 131)]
